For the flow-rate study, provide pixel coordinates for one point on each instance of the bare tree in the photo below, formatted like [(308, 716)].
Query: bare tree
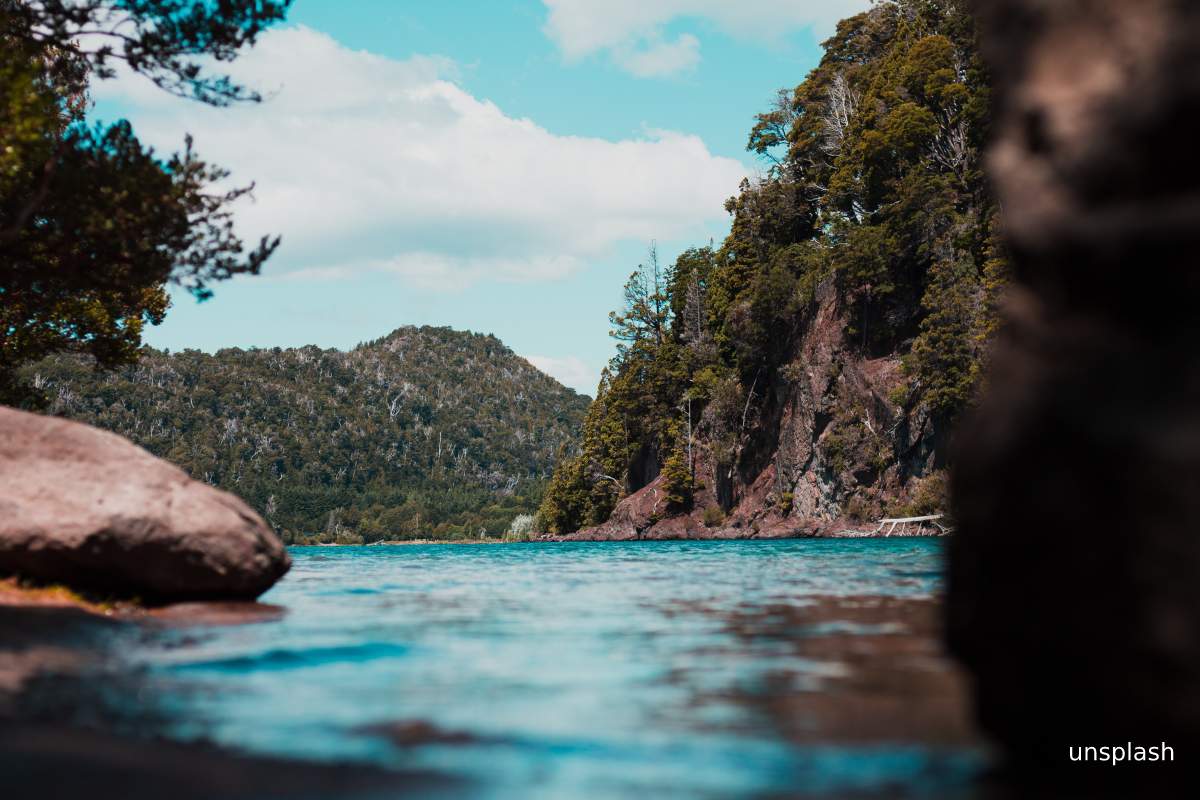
[(951, 147), (695, 318), (229, 430), (840, 106), (658, 297), (521, 525), (686, 408)]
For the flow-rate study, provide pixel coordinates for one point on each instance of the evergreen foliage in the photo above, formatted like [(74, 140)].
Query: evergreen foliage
[(874, 189), (93, 224), (425, 433)]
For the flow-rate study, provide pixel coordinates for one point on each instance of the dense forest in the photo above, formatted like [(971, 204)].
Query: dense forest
[(812, 364), (427, 432)]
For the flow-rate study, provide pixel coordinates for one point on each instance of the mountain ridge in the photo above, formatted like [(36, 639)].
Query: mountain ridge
[(424, 432)]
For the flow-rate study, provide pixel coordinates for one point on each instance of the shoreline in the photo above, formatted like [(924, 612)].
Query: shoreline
[(726, 535), (18, 595), (737, 535)]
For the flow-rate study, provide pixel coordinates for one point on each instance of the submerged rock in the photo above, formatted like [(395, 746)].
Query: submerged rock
[(87, 508), (1073, 596), (419, 733)]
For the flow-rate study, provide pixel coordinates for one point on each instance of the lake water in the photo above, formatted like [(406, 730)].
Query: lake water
[(581, 670)]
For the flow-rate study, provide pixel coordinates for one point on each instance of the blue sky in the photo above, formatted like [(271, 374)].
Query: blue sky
[(493, 166)]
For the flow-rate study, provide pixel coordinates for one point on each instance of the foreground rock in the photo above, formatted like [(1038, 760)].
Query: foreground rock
[(86, 508), (1072, 578)]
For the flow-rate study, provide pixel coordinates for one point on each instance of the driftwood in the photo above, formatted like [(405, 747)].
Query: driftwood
[(904, 522)]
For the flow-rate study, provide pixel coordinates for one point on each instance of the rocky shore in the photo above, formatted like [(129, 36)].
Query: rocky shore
[(687, 528), (89, 510)]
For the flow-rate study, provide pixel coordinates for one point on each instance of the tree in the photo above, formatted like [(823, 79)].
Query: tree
[(565, 503), (944, 354), (687, 288), (164, 40), (93, 224), (647, 310), (678, 479), (772, 129), (839, 111)]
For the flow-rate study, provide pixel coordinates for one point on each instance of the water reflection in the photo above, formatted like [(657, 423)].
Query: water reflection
[(688, 669)]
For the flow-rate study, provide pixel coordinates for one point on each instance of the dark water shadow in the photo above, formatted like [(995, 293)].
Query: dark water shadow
[(79, 719), (861, 688)]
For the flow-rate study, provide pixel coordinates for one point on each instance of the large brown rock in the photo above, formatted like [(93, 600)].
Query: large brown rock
[(87, 508), (1074, 577)]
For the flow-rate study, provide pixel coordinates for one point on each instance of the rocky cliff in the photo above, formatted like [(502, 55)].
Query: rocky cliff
[(805, 375), (826, 450)]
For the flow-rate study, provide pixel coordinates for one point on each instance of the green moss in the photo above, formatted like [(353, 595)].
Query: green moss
[(840, 442), (930, 495), (899, 394)]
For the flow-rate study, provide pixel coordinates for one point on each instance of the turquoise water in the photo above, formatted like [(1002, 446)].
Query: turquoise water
[(582, 670)]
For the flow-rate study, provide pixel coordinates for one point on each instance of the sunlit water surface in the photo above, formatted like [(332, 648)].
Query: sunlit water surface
[(575, 669)]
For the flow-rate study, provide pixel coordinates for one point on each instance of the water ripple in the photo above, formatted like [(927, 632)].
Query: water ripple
[(589, 670)]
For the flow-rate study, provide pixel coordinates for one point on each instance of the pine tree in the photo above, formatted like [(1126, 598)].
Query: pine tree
[(678, 481), (647, 311)]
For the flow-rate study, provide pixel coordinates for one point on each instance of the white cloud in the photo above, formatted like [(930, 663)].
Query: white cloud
[(632, 30), (432, 270), (569, 371), (660, 57), (368, 164)]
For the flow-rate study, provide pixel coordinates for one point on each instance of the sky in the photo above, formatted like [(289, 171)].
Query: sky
[(495, 166)]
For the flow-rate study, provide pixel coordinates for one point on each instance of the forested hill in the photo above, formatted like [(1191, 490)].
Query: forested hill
[(811, 367), (427, 432)]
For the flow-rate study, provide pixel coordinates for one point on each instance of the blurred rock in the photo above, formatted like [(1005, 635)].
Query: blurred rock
[(216, 614), (1073, 591), (88, 509)]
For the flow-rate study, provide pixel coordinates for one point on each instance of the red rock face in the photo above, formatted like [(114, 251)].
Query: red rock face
[(794, 447), (1072, 577), (87, 508)]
